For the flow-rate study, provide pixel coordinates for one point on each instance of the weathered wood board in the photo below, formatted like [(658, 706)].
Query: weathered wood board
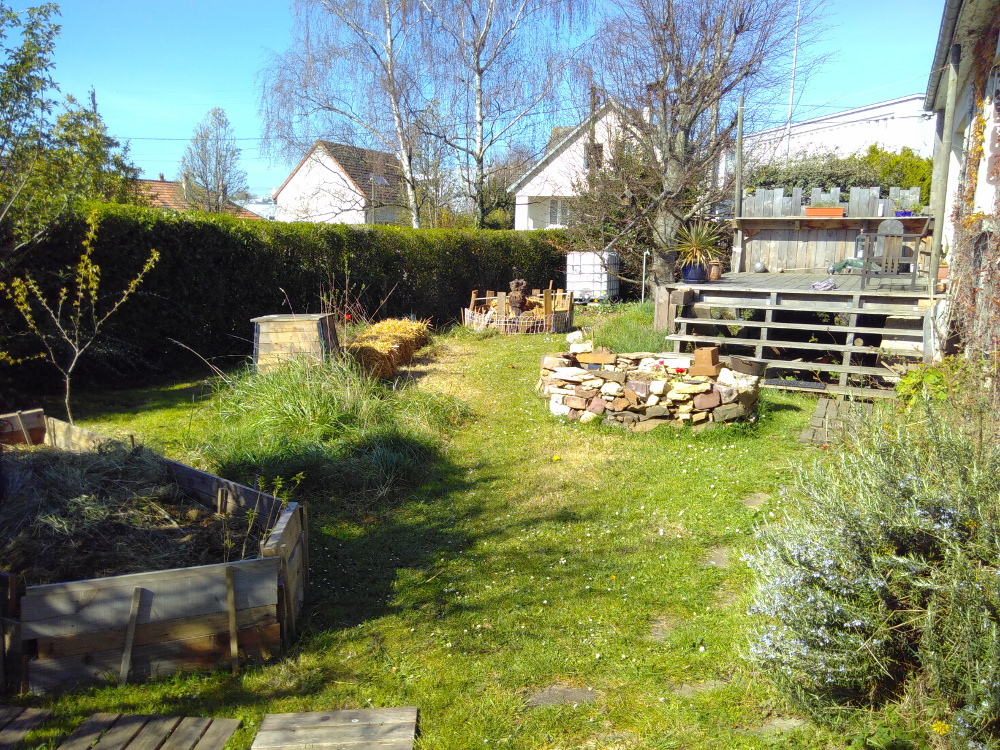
[(280, 338), (368, 729), (138, 732), (22, 427), (16, 722)]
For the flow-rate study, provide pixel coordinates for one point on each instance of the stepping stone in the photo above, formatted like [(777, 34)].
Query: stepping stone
[(364, 729), (689, 689), (662, 627), (718, 556), (756, 500), (778, 724), (559, 695)]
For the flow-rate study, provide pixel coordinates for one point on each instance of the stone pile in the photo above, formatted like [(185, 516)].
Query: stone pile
[(643, 390)]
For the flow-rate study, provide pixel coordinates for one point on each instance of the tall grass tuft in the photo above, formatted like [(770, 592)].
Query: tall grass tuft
[(624, 328), (882, 588), (350, 436)]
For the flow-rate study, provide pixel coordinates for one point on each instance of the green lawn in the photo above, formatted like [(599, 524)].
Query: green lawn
[(538, 553)]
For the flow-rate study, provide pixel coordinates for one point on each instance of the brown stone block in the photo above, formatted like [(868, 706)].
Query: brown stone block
[(575, 402), (698, 416), (638, 387), (596, 358), (704, 401), (729, 412), (613, 375), (575, 413), (620, 404), (633, 399), (597, 406), (587, 393)]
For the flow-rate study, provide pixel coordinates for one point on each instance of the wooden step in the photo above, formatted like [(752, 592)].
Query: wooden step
[(820, 327), (841, 390), (896, 311), (752, 343)]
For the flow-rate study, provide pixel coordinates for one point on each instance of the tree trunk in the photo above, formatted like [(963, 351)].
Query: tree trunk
[(478, 187), (665, 225)]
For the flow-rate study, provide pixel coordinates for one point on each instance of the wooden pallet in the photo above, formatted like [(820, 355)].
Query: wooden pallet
[(830, 420), (16, 722), (367, 729), (137, 732)]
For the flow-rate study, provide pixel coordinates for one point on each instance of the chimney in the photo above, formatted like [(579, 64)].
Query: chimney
[(162, 178)]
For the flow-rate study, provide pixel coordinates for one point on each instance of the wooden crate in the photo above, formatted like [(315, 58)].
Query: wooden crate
[(143, 625), (279, 338)]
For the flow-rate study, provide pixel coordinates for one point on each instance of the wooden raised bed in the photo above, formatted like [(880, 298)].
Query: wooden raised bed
[(143, 625), (280, 338), (553, 312)]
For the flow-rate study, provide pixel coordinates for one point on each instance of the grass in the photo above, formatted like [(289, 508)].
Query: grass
[(623, 328), (534, 553)]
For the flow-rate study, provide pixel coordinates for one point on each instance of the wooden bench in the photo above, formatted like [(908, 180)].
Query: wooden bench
[(137, 732)]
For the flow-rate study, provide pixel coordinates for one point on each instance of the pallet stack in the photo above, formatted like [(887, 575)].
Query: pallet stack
[(644, 390)]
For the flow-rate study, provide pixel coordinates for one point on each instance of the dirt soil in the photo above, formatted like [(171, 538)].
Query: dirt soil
[(72, 516)]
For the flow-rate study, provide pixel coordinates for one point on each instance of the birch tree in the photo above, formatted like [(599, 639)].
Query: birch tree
[(676, 69), (352, 72), (494, 65), (210, 167)]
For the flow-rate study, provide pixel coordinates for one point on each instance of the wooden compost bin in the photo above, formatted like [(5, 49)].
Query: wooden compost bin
[(279, 338), (143, 625), (554, 308)]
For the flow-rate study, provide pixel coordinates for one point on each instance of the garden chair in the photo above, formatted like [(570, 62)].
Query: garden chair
[(882, 255)]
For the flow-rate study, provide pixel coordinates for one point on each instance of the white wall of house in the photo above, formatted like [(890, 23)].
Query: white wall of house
[(320, 191), (556, 175), (892, 125)]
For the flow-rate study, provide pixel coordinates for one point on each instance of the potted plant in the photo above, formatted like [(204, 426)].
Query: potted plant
[(825, 209), (696, 245)]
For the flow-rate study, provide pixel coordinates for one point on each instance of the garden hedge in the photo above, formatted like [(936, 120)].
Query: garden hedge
[(217, 272)]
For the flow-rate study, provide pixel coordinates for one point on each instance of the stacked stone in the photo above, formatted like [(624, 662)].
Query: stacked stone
[(643, 390)]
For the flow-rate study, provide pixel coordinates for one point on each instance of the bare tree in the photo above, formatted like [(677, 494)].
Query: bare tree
[(494, 64), (675, 69), (209, 169), (353, 71)]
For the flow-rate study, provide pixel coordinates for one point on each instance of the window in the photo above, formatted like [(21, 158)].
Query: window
[(558, 212)]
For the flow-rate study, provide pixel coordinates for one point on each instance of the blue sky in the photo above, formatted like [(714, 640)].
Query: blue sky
[(158, 67)]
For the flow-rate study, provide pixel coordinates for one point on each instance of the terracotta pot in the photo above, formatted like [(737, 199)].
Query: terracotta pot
[(714, 270)]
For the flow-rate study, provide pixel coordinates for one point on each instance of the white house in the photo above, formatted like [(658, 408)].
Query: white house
[(892, 125), (540, 196), (966, 27), (339, 183)]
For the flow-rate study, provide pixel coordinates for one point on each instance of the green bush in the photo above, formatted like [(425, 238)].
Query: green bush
[(882, 587), (217, 272)]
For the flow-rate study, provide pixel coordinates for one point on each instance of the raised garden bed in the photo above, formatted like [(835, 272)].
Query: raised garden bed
[(547, 311), (65, 633)]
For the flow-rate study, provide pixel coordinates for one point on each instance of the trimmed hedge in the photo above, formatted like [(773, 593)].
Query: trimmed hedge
[(217, 272)]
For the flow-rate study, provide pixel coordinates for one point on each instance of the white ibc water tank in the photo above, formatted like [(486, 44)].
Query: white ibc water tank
[(592, 276)]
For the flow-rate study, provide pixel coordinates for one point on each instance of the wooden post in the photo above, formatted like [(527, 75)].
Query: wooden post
[(736, 262), (472, 301), (547, 302), (501, 305), (234, 646), (24, 430), (941, 195), (133, 617), (289, 598), (305, 549)]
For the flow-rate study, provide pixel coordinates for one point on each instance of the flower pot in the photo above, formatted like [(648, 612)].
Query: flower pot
[(903, 213), (693, 274), (825, 212), (714, 270)]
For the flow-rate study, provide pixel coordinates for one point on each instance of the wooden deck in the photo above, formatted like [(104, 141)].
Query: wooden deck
[(136, 732), (367, 729), (16, 722), (866, 338), (801, 282)]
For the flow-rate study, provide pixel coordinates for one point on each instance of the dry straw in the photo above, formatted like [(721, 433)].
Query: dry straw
[(384, 346)]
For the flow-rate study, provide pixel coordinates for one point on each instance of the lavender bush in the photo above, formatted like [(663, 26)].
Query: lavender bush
[(882, 587)]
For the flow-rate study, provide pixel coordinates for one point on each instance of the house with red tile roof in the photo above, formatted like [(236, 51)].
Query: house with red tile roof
[(340, 183), (163, 193)]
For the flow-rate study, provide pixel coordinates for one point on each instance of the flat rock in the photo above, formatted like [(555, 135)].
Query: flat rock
[(755, 500), (560, 695), (569, 373), (574, 337), (583, 347), (708, 400), (649, 424), (658, 387), (613, 375), (778, 724), (596, 357), (686, 388), (596, 406), (638, 387), (718, 556), (689, 689), (589, 416)]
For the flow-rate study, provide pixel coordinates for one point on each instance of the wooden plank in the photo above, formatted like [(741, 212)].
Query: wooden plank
[(335, 737), (218, 734), (16, 730), (286, 530), (9, 713), (22, 427), (154, 733), (156, 632), (89, 732), (187, 733), (133, 617), (123, 732), (312, 719), (205, 488), (153, 660), (68, 437), (234, 650), (103, 603)]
